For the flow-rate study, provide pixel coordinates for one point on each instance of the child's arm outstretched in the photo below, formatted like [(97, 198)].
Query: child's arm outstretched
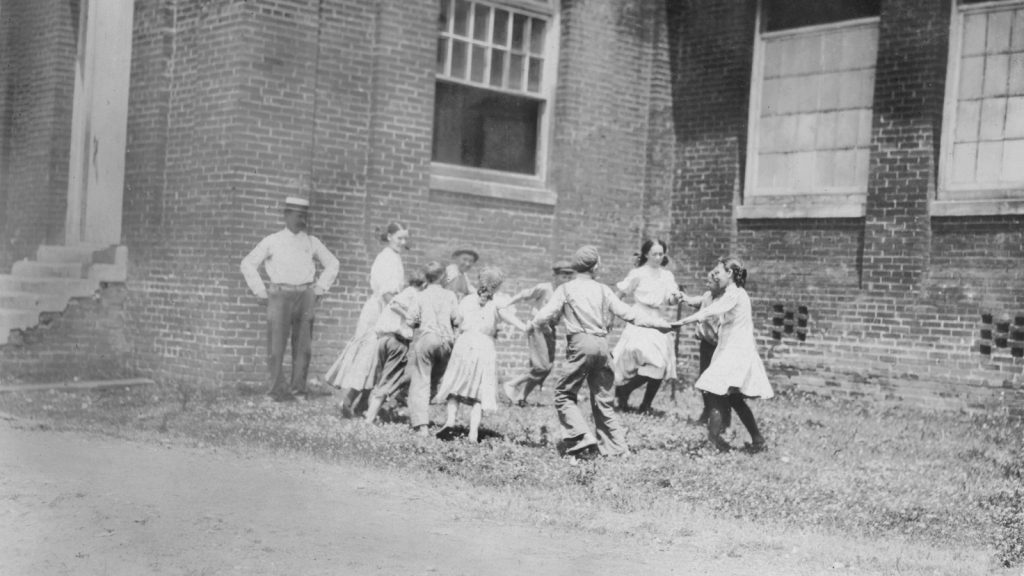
[(508, 316)]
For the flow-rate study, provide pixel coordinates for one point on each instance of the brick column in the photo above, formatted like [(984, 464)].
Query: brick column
[(711, 50), (909, 90)]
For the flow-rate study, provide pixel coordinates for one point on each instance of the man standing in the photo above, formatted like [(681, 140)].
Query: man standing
[(288, 258), (456, 277)]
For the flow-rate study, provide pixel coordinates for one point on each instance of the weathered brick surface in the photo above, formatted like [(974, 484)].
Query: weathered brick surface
[(38, 45), (894, 299), (234, 105), (86, 341)]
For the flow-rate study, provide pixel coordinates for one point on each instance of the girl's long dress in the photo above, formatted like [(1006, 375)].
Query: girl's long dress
[(736, 366), (356, 366), (646, 351), (472, 373)]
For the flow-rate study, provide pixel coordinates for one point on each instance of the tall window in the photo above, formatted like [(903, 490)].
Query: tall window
[(494, 88), (811, 101), (983, 135)]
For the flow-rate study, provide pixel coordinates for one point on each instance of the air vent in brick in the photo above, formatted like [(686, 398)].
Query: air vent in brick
[(789, 320), (1002, 333)]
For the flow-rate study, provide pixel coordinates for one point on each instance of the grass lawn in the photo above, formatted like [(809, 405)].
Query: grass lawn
[(879, 477)]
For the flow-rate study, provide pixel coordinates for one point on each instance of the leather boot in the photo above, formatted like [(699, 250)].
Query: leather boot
[(715, 429)]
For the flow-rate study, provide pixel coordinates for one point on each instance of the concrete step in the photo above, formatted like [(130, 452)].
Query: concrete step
[(70, 287), (17, 319), (108, 273), (83, 253), (28, 268), (34, 301)]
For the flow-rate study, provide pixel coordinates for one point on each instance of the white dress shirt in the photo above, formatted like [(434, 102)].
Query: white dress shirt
[(288, 259)]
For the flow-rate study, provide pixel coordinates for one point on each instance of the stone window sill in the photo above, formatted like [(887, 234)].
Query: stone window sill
[(491, 184), (987, 207)]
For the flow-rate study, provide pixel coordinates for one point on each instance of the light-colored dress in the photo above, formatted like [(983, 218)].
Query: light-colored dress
[(356, 366), (472, 373), (736, 365), (646, 351)]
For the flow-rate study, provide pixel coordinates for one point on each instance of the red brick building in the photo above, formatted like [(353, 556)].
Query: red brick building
[(831, 147)]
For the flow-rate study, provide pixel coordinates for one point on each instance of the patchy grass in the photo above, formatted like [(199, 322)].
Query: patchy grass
[(850, 468)]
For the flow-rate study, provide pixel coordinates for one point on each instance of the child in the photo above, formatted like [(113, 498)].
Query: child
[(395, 332), (472, 375), (541, 341), (437, 316), (706, 332), (585, 303), (736, 371)]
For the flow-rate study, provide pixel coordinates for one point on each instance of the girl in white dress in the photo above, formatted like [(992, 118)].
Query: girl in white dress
[(736, 371), (356, 369), (645, 356), (472, 373)]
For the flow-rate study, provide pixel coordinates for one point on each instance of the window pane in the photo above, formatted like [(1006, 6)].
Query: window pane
[(537, 31), (965, 157), (998, 37), (479, 128), (481, 20), (479, 63), (785, 14), (442, 54), (444, 20), (997, 68), (536, 70), (462, 17), (970, 77), (1013, 167), (1017, 43), (515, 72), (968, 118), (498, 67), (993, 114), (1015, 119), (500, 28), (990, 161), (974, 34), (460, 57), (518, 32), (1016, 87)]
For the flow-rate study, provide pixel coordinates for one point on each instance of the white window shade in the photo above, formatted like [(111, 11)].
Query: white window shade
[(811, 111), (984, 140)]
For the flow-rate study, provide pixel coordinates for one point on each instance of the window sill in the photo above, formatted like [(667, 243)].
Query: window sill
[(989, 207), (800, 209), (531, 192)]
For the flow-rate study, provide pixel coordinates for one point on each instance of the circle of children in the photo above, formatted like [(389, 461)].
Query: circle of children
[(432, 335)]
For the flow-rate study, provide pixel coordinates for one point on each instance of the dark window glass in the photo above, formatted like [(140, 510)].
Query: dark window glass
[(786, 14), (480, 128)]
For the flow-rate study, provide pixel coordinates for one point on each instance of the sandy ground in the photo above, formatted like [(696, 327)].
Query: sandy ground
[(78, 504)]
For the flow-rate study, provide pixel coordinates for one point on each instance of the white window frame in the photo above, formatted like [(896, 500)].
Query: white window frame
[(533, 188), (968, 199), (846, 203)]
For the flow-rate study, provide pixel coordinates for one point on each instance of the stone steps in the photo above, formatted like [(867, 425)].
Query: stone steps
[(48, 283)]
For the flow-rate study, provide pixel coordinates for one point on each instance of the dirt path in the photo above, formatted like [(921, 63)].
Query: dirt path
[(74, 504)]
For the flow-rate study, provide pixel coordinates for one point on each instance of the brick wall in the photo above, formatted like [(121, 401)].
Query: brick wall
[(87, 341), (334, 101), (895, 303), (40, 42)]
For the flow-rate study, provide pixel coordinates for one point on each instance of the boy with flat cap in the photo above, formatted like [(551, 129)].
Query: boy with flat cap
[(540, 341), (456, 275), (585, 304), (289, 257)]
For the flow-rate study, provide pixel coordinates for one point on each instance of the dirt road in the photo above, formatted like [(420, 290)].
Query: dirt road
[(75, 504)]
